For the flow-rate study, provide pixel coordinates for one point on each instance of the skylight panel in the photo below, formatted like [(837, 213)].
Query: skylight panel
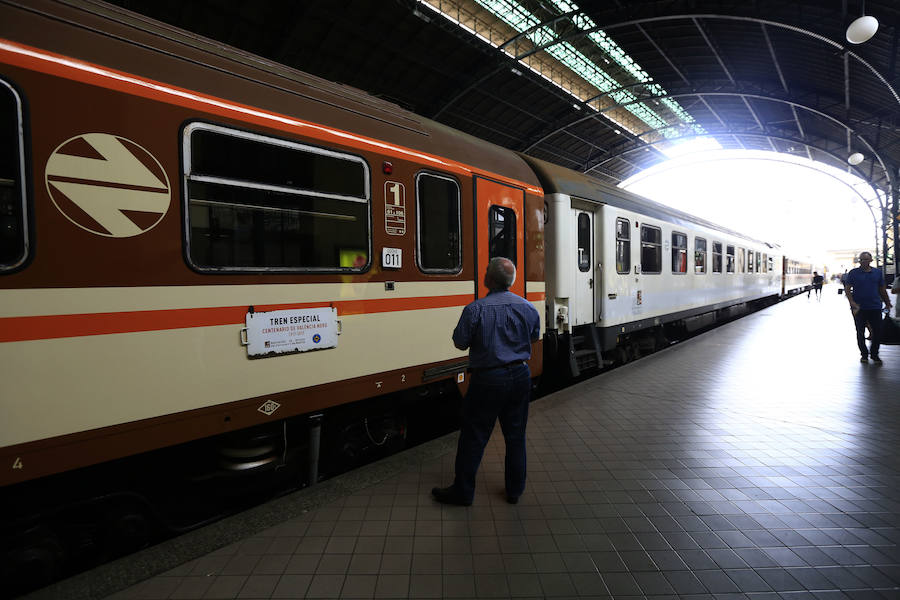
[(615, 52), (520, 19)]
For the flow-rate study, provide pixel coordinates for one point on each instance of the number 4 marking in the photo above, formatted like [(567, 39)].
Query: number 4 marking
[(17, 464)]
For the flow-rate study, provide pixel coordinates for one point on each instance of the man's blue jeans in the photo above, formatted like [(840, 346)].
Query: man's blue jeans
[(501, 393), (873, 318)]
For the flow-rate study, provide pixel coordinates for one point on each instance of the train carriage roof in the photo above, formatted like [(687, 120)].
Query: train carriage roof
[(118, 39), (559, 180)]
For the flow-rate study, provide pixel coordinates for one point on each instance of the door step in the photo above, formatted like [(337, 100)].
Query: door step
[(584, 351)]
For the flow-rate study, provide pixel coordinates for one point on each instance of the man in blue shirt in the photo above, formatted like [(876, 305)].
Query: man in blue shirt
[(498, 331), (865, 290)]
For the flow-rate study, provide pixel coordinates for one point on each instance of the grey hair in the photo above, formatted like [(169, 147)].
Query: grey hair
[(501, 272)]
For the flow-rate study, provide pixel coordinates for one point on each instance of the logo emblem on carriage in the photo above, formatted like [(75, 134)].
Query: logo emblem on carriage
[(108, 185), (317, 338), (269, 407)]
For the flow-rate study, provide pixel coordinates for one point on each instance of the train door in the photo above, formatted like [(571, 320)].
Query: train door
[(584, 272), (500, 218), (784, 271)]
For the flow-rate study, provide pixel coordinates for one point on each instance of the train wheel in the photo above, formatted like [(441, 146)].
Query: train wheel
[(656, 340), (38, 562), (661, 341), (634, 349), (127, 528)]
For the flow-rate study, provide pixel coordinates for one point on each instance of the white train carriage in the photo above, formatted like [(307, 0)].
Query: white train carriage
[(623, 272), (797, 275)]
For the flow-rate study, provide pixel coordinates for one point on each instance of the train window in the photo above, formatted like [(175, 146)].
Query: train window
[(765, 264), (729, 259), (13, 227), (437, 214), (257, 203), (502, 227), (750, 261), (623, 246), (699, 255), (759, 262), (717, 257), (679, 252), (742, 261), (584, 242), (651, 249)]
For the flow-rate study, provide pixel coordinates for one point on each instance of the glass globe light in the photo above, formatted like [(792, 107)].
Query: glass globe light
[(862, 29)]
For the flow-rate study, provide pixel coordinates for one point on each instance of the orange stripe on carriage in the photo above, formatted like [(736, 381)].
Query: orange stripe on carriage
[(45, 327)]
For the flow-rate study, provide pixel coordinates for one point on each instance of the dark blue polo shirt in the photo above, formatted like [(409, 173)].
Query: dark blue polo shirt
[(497, 329), (864, 287)]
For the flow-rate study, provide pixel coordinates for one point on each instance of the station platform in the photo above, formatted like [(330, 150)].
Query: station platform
[(759, 460)]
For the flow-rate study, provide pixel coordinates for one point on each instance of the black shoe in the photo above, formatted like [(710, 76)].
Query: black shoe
[(449, 495), (864, 359), (877, 360), (512, 499)]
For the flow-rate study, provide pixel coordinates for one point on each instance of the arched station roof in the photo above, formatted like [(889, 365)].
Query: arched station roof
[(602, 86)]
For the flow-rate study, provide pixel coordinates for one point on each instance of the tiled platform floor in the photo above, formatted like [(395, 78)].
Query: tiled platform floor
[(757, 461)]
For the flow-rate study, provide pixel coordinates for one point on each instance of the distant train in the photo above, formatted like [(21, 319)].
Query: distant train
[(209, 262), (624, 274)]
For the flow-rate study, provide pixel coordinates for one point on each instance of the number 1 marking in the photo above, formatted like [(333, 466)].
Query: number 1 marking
[(395, 190)]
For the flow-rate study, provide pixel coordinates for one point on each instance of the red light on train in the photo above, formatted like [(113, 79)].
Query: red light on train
[(387, 168)]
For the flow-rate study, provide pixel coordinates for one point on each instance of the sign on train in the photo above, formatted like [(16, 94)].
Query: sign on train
[(288, 331)]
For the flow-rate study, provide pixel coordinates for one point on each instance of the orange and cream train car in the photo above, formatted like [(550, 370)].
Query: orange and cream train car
[(196, 241)]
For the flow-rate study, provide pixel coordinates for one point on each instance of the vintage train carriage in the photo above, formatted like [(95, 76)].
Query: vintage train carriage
[(197, 241), (797, 275), (622, 270)]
